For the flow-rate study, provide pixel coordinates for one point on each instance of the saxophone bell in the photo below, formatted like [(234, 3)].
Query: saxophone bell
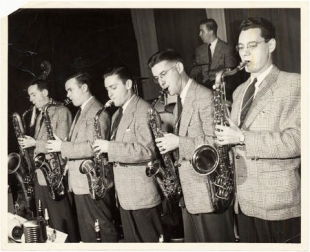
[(14, 162), (205, 159)]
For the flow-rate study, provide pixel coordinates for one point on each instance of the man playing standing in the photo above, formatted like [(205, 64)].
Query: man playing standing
[(78, 147), (265, 129), (193, 128), (61, 216), (131, 148)]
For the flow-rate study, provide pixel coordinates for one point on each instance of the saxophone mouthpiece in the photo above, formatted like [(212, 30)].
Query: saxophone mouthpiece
[(67, 101), (108, 104)]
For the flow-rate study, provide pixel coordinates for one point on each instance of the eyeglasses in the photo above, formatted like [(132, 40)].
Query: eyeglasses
[(251, 46), (162, 74)]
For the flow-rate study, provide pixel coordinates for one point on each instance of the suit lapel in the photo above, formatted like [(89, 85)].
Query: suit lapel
[(78, 124), (127, 118), (262, 97), (216, 54), (188, 109)]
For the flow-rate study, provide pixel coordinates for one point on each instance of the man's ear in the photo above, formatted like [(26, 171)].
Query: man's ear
[(45, 92), (180, 67), (85, 87), (272, 45), (128, 84)]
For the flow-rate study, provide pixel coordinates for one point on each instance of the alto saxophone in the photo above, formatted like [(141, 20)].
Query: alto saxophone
[(98, 170), (53, 170), (217, 162), (166, 173), (22, 164)]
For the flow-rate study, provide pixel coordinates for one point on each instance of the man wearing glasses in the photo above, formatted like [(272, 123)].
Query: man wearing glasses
[(193, 127), (265, 129)]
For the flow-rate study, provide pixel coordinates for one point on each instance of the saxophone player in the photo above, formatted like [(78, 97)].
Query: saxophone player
[(78, 147), (60, 213), (193, 127), (131, 148), (265, 130)]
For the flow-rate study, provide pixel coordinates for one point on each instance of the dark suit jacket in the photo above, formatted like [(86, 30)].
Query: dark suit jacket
[(268, 181), (224, 57), (80, 147), (61, 120), (132, 149)]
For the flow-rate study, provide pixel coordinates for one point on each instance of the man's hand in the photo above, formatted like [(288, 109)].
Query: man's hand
[(168, 142), (53, 145), (101, 146), (228, 134), (27, 142)]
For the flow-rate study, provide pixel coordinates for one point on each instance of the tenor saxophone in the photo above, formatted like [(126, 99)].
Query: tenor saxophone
[(98, 169), (165, 172), (217, 162), (53, 169)]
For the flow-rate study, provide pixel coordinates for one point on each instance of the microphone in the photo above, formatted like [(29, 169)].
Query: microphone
[(32, 231)]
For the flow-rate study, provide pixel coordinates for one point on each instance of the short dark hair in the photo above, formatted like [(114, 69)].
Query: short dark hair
[(123, 73), (210, 24), (266, 27), (83, 78), (41, 84), (167, 54)]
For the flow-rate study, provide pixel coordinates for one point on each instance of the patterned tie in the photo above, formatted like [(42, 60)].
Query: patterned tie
[(179, 112), (175, 153), (247, 101), (116, 123)]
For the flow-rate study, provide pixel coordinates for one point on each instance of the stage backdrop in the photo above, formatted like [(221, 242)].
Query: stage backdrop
[(73, 40)]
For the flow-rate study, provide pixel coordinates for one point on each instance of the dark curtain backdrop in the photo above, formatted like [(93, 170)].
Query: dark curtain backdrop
[(96, 39), (72, 40), (287, 25), (179, 29)]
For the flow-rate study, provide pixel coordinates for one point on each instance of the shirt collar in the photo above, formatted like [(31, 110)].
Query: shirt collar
[(84, 104), (185, 89), (213, 44), (261, 77), (126, 104)]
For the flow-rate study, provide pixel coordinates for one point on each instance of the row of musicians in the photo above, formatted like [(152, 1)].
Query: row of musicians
[(265, 139)]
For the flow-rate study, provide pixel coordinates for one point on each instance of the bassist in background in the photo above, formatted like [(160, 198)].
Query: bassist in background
[(60, 212)]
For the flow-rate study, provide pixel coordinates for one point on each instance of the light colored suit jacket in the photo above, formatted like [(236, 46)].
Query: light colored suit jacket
[(80, 146), (196, 129), (268, 181), (224, 56), (61, 120), (132, 149)]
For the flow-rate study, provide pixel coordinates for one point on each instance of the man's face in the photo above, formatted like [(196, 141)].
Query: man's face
[(168, 76), (118, 91), (259, 55), (37, 97), (204, 33), (74, 92)]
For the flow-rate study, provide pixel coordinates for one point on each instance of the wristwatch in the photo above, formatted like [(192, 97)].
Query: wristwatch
[(241, 139)]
